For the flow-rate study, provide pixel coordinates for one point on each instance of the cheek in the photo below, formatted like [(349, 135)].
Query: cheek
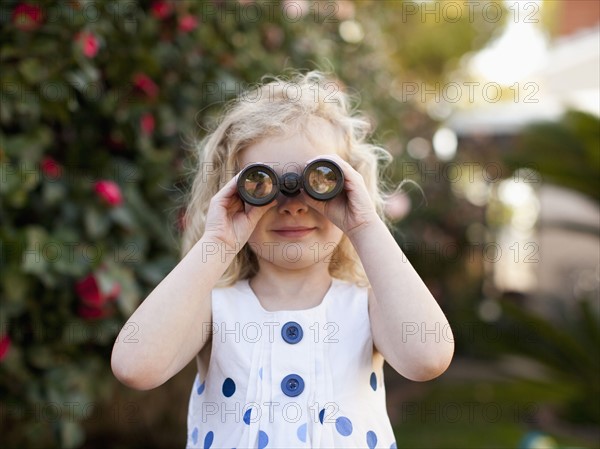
[(332, 233), (259, 231), (260, 240), (328, 241), (257, 238)]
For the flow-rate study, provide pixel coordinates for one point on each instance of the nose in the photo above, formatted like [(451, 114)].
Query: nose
[(292, 205)]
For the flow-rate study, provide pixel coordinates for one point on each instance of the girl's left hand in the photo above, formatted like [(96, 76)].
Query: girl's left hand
[(353, 208)]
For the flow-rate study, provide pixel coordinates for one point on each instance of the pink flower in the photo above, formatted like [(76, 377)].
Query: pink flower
[(27, 17), (91, 313), (51, 168), (115, 292), (273, 37), (89, 43), (344, 11), (188, 23), (115, 142), (161, 9), (93, 302), (397, 206), (5, 343), (88, 291), (109, 192), (144, 83), (147, 123)]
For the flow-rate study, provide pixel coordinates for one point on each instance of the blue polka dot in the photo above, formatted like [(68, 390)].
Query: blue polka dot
[(228, 387), (343, 426), (200, 389), (195, 435), (393, 446), (247, 415), (371, 439), (263, 439), (374, 381), (321, 415), (302, 433), (208, 440), (260, 373)]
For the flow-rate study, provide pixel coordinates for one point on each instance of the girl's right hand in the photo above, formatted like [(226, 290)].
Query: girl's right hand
[(230, 220)]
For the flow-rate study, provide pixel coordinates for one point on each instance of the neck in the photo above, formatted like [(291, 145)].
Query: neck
[(278, 288)]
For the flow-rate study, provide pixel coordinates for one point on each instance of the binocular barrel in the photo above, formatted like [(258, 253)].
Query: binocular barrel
[(258, 184)]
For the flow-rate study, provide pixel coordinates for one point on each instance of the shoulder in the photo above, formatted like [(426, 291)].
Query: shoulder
[(350, 289), (350, 295), (235, 288), (230, 296)]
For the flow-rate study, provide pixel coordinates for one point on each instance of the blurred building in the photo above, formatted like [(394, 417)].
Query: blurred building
[(551, 246)]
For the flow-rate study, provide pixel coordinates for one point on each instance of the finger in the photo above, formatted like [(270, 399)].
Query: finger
[(348, 170), (229, 190), (332, 157)]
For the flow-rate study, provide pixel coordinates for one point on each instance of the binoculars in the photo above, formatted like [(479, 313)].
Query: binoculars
[(258, 184)]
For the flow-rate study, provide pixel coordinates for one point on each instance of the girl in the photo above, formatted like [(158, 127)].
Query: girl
[(288, 308)]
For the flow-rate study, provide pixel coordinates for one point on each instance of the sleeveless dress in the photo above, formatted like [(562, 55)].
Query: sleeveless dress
[(290, 379)]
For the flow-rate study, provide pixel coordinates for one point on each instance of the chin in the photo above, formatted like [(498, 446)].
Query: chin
[(293, 264), (295, 254)]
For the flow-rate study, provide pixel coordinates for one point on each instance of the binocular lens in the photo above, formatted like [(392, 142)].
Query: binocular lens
[(258, 184), (322, 180)]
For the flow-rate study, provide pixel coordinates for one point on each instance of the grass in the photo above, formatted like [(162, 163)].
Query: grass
[(479, 415)]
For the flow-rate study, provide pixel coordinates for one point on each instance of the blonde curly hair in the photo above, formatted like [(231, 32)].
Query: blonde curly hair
[(274, 108)]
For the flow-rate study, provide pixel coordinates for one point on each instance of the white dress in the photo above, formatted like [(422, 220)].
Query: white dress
[(290, 379)]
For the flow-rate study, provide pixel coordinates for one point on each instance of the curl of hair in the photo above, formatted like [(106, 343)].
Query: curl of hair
[(281, 105)]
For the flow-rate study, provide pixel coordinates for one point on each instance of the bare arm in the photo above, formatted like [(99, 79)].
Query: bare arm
[(172, 323), (409, 328)]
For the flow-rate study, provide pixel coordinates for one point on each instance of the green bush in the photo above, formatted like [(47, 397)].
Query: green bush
[(99, 100)]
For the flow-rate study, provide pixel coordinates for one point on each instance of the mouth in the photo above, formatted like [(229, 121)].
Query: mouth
[(294, 231)]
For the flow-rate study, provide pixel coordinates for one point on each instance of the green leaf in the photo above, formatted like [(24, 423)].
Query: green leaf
[(147, 216), (74, 259), (6, 112), (15, 288), (75, 332), (71, 434), (32, 70), (29, 148), (40, 356), (9, 179), (130, 297), (33, 260), (106, 282), (96, 223), (53, 193), (123, 217), (155, 271)]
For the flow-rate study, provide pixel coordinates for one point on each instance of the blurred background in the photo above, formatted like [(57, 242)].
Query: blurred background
[(490, 107)]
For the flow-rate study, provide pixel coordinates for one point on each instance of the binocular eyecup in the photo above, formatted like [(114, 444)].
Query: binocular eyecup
[(258, 184)]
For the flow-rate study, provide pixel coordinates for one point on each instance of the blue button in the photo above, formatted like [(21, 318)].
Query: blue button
[(291, 332), (292, 385)]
